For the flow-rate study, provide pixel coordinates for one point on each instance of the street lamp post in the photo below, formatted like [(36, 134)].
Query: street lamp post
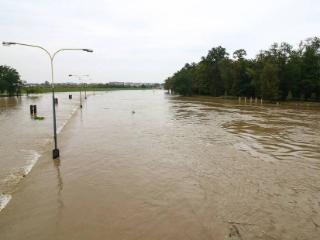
[(85, 92), (55, 151)]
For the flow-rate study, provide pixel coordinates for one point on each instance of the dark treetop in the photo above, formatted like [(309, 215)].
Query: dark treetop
[(279, 73)]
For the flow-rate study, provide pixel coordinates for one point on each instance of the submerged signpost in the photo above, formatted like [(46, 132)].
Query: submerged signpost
[(55, 151)]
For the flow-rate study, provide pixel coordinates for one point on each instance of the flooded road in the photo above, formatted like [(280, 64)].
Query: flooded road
[(147, 165), (23, 139)]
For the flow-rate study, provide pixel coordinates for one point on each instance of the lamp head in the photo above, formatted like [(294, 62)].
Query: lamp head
[(8, 43), (87, 50)]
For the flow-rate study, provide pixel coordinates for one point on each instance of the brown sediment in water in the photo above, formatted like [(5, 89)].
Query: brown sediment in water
[(176, 169)]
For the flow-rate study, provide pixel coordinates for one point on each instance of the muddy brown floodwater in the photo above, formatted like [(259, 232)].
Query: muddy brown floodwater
[(147, 165)]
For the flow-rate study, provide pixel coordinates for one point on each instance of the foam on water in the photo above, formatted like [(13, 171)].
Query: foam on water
[(66, 121), (4, 200), (16, 175), (11, 181), (32, 159)]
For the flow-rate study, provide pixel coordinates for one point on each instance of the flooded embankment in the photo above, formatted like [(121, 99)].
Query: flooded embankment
[(24, 139), (147, 165)]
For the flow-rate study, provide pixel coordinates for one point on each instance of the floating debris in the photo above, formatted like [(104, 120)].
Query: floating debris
[(234, 233)]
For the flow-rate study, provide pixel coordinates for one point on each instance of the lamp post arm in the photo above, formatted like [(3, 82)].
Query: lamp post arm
[(35, 46), (66, 49), (46, 51)]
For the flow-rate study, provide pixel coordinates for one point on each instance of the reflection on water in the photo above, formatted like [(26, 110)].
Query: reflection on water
[(8, 102), (60, 203), (57, 163)]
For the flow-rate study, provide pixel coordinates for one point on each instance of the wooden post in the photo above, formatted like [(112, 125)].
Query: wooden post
[(31, 109), (35, 109)]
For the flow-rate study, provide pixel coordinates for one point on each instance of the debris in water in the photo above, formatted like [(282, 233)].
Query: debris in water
[(234, 233), (314, 223), (240, 223)]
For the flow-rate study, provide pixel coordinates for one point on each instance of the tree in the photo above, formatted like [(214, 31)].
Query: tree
[(281, 72), (310, 82), (183, 80), (242, 83), (270, 82), (9, 80), (213, 59), (239, 54), (201, 78)]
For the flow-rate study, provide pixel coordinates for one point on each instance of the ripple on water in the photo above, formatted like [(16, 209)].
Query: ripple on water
[(277, 137)]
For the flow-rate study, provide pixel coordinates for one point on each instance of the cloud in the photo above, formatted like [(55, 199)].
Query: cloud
[(144, 40)]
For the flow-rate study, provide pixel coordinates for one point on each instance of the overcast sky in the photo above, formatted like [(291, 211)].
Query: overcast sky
[(144, 40)]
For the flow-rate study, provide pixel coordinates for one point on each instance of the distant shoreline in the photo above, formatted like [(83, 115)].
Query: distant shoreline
[(299, 103), (75, 89)]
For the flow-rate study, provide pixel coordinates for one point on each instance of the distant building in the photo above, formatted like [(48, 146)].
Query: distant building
[(119, 84), (132, 84), (141, 85)]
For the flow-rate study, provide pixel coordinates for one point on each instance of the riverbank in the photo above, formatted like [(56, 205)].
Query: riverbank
[(247, 101)]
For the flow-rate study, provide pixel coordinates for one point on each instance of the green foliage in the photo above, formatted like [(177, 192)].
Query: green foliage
[(289, 97), (279, 73), (38, 118), (10, 82), (30, 90), (270, 82)]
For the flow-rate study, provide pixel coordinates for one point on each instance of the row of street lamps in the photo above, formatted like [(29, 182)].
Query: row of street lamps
[(55, 151), (80, 80)]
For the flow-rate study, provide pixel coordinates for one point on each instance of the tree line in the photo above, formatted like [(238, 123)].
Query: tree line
[(10, 82), (279, 73)]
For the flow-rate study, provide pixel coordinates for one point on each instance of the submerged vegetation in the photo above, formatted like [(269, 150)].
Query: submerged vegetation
[(279, 73), (38, 118)]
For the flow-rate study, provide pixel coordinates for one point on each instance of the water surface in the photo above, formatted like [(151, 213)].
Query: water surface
[(147, 165), (23, 139)]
